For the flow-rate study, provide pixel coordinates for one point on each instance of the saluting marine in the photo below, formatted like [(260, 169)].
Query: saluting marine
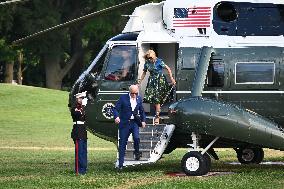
[(79, 135)]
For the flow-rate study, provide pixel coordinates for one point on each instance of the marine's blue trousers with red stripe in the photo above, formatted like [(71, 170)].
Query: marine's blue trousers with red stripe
[(80, 156)]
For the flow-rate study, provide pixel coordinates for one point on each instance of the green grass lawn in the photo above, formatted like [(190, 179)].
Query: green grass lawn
[(36, 152)]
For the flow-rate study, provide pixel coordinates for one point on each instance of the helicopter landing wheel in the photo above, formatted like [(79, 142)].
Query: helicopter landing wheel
[(250, 155), (195, 164)]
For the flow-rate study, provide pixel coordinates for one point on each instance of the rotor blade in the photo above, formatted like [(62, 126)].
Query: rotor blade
[(86, 17), (10, 2)]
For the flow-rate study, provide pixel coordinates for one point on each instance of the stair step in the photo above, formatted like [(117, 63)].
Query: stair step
[(142, 141), (150, 132), (141, 150), (133, 160), (150, 128), (161, 117), (150, 137), (142, 145), (155, 134), (129, 154)]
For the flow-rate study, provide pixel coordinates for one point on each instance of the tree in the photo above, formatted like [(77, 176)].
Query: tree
[(59, 51), (7, 55), (7, 52)]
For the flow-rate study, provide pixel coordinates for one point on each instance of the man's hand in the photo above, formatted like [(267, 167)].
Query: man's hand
[(117, 120), (143, 124)]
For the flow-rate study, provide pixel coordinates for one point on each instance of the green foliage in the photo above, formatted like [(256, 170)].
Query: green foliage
[(106, 26), (29, 17), (7, 53), (6, 19), (37, 15)]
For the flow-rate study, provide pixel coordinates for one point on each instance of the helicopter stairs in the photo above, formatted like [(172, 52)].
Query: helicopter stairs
[(153, 142)]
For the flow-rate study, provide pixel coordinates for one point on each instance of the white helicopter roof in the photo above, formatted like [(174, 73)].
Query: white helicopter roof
[(157, 37), (147, 19), (163, 23)]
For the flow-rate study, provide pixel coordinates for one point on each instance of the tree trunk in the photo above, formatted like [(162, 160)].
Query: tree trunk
[(20, 71), (9, 69), (52, 70), (54, 74)]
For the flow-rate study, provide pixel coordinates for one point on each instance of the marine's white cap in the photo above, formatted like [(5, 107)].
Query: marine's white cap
[(81, 95)]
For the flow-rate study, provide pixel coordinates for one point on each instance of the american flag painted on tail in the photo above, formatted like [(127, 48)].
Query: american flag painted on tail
[(196, 17)]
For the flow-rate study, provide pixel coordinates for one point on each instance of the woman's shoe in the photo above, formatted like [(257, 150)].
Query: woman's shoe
[(157, 121), (157, 118)]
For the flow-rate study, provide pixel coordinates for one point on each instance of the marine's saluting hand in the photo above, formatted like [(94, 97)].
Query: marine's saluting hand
[(78, 110)]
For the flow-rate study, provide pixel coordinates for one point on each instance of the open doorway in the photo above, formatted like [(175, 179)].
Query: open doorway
[(168, 52)]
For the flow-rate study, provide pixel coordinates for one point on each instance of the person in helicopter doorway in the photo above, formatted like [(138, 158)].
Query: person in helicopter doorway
[(129, 114), (79, 134), (157, 87)]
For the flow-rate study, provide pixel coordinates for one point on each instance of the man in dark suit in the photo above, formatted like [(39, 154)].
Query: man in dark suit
[(129, 113)]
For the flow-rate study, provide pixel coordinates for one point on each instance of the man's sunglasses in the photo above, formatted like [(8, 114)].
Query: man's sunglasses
[(134, 93)]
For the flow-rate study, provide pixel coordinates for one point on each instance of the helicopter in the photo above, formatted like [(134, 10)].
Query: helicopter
[(227, 58)]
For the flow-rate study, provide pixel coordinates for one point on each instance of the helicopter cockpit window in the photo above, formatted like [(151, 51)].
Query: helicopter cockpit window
[(121, 63), (254, 73), (215, 75), (96, 70)]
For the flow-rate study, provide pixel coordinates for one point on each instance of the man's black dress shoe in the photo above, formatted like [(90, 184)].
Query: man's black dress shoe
[(137, 155)]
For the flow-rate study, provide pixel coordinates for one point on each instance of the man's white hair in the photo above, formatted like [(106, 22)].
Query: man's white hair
[(133, 87)]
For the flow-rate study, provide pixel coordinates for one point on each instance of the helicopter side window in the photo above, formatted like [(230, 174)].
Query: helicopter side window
[(254, 73), (260, 20), (215, 75), (226, 12), (248, 19), (121, 63), (189, 57)]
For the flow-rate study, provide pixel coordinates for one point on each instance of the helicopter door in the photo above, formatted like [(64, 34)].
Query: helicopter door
[(119, 73), (187, 62)]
